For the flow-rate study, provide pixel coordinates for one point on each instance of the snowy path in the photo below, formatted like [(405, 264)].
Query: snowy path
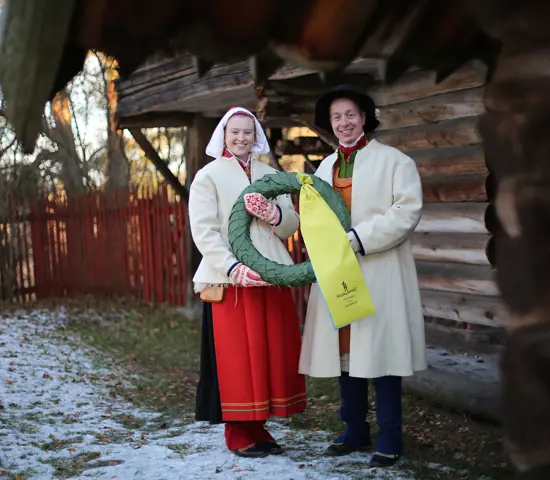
[(59, 421)]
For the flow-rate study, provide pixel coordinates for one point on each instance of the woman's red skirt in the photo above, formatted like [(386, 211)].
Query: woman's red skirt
[(257, 340)]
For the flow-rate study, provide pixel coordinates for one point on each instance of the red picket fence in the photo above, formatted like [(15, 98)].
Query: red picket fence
[(113, 243)]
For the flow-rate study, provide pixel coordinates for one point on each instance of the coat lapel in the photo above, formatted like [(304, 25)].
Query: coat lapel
[(234, 173), (324, 172)]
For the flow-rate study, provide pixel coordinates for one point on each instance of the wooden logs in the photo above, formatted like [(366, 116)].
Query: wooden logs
[(467, 103), (457, 278), (463, 307), (421, 84), (464, 188), (450, 162), (452, 133), (451, 247), (453, 217)]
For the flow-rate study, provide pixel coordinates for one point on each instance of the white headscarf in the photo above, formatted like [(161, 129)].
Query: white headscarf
[(217, 141)]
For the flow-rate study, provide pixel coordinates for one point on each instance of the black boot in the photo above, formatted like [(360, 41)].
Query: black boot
[(380, 460), (251, 452), (271, 448), (340, 449)]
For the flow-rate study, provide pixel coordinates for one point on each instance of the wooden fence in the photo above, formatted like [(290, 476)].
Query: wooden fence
[(124, 243), (121, 243)]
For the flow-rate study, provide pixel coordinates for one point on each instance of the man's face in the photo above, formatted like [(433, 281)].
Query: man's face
[(346, 119)]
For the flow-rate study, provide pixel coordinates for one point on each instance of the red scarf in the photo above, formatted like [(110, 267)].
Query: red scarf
[(347, 151)]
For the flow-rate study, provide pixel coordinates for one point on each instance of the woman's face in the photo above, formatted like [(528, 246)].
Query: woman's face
[(346, 119), (239, 135)]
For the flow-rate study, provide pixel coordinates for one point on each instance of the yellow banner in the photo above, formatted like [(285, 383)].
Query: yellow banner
[(334, 262)]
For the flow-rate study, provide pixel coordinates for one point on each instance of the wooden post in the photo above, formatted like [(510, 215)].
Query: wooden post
[(515, 134), (198, 136)]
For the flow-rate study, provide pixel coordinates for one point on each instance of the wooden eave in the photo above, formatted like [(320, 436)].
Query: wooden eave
[(168, 92)]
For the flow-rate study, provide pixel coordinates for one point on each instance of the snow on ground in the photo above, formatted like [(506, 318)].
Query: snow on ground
[(59, 421)]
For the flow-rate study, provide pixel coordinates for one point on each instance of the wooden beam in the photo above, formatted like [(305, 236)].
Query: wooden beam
[(311, 85), (303, 145), (451, 133), (220, 88), (156, 119), (468, 308), (450, 162), (159, 163), (325, 136), (457, 278), (467, 188), (460, 104), (463, 248), (467, 217)]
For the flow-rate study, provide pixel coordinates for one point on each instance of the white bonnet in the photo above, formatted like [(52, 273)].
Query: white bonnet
[(217, 141)]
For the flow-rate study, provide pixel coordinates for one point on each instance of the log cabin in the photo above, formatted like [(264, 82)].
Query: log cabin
[(434, 123)]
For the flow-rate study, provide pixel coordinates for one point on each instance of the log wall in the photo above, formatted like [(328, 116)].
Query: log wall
[(436, 126)]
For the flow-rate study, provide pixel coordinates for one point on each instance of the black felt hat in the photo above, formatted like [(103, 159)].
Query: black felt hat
[(363, 101)]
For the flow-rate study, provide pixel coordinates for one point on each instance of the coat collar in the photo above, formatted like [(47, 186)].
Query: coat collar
[(326, 172), (234, 168)]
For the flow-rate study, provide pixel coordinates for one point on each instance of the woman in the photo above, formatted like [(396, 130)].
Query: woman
[(251, 336), (382, 190)]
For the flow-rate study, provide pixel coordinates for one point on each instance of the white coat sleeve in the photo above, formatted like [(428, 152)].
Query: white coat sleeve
[(290, 220), (385, 231), (205, 226)]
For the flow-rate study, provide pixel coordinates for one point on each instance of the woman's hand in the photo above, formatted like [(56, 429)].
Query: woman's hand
[(258, 206), (243, 276)]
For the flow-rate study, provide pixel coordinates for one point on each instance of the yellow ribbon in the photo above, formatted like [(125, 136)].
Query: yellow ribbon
[(335, 264)]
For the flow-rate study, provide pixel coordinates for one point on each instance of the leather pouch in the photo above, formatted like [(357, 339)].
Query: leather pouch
[(213, 294)]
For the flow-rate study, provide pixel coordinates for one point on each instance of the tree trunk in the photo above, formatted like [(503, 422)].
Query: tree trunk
[(67, 155), (118, 170), (118, 179)]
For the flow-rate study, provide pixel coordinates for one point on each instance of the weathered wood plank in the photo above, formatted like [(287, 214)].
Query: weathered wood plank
[(450, 161), (157, 119), (463, 248), (470, 188), (465, 103), (421, 84), (457, 278), (217, 90), (303, 145), (155, 72), (476, 309), (468, 217), (451, 133)]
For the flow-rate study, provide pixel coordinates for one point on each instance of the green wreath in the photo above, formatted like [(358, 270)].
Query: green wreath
[(271, 186)]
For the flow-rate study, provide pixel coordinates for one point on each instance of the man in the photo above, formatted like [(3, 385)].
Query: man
[(382, 189)]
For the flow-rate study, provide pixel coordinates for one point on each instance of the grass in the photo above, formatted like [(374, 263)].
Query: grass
[(161, 346), (73, 466), (154, 342)]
